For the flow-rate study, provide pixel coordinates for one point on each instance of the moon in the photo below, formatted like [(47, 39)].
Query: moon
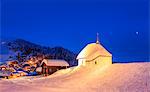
[(137, 33)]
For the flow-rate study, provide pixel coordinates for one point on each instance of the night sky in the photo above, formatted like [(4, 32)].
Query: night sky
[(122, 24)]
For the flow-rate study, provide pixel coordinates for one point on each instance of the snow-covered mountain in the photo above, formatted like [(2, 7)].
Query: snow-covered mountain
[(9, 49), (5, 52)]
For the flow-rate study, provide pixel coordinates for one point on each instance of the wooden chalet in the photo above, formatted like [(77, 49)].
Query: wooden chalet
[(50, 66)]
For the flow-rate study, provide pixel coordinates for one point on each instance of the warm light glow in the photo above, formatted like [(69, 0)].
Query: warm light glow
[(22, 74), (30, 61)]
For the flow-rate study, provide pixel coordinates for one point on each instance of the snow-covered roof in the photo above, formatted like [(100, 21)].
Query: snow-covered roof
[(1, 66), (92, 51), (52, 62)]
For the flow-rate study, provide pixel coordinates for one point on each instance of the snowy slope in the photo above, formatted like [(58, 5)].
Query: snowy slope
[(4, 49), (129, 77)]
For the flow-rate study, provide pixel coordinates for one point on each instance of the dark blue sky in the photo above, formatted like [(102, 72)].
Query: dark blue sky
[(74, 23)]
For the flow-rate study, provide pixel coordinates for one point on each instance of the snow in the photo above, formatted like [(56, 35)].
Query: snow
[(4, 51), (51, 62), (128, 77), (92, 51)]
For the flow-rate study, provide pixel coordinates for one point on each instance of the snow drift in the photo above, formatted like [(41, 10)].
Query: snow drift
[(129, 77)]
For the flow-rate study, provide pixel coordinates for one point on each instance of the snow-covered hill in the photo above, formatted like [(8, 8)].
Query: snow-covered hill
[(5, 52), (128, 77), (9, 49)]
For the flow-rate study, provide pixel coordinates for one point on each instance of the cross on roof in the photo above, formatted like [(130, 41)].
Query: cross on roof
[(97, 38)]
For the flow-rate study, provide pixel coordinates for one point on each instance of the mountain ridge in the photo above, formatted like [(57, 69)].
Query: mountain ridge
[(27, 48)]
